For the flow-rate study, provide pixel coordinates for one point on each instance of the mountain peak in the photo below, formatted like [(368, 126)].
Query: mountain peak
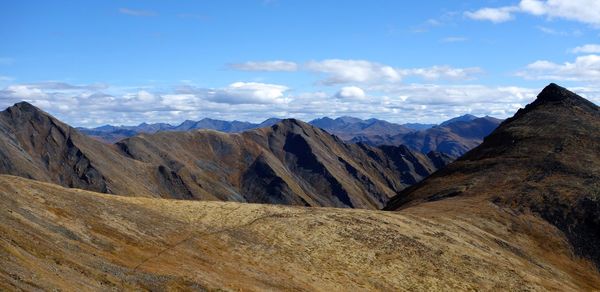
[(556, 94), (23, 106)]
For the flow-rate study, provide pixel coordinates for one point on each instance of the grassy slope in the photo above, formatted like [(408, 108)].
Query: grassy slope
[(52, 237)]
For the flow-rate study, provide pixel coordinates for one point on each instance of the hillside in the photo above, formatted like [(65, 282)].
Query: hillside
[(69, 239), (288, 163), (544, 161)]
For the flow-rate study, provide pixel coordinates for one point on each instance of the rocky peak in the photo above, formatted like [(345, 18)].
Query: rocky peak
[(555, 94)]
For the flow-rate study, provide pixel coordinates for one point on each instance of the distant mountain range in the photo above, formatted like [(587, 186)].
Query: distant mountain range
[(112, 134), (453, 137), (290, 162)]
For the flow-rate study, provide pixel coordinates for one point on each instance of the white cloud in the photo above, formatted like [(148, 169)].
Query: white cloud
[(135, 12), (585, 11), (587, 49), (351, 92), (240, 93), (552, 31), (24, 92), (347, 71), (495, 15), (584, 68), (252, 101), (445, 72), (270, 66), (339, 71)]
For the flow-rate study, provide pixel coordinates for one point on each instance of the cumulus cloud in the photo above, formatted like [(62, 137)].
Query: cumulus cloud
[(339, 71), (347, 71), (587, 49), (584, 68), (351, 92), (136, 12), (585, 11), (240, 93), (270, 66)]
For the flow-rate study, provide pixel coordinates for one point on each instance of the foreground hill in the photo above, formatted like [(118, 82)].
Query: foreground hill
[(55, 238), (545, 161), (288, 163), (454, 137)]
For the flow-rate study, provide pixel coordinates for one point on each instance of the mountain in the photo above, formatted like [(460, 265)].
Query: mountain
[(349, 127), (52, 238), (543, 161), (290, 162), (111, 134), (453, 138), (418, 126), (463, 118), (211, 124)]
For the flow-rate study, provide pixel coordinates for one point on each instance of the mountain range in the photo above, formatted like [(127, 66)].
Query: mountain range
[(290, 162), (519, 212), (453, 137)]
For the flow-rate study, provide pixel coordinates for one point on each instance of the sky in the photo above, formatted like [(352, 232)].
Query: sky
[(91, 63)]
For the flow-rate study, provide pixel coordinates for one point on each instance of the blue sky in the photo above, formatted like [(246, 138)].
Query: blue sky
[(125, 62)]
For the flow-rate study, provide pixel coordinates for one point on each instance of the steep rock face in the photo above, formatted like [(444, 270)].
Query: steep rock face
[(545, 159)]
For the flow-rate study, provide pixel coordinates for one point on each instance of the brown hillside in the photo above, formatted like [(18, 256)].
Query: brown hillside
[(68, 239), (545, 160)]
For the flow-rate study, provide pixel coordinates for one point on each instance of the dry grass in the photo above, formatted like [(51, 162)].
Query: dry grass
[(57, 238)]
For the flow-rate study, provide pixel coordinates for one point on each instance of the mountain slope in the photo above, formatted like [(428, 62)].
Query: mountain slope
[(544, 160), (52, 238), (288, 163), (452, 137), (35, 145)]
